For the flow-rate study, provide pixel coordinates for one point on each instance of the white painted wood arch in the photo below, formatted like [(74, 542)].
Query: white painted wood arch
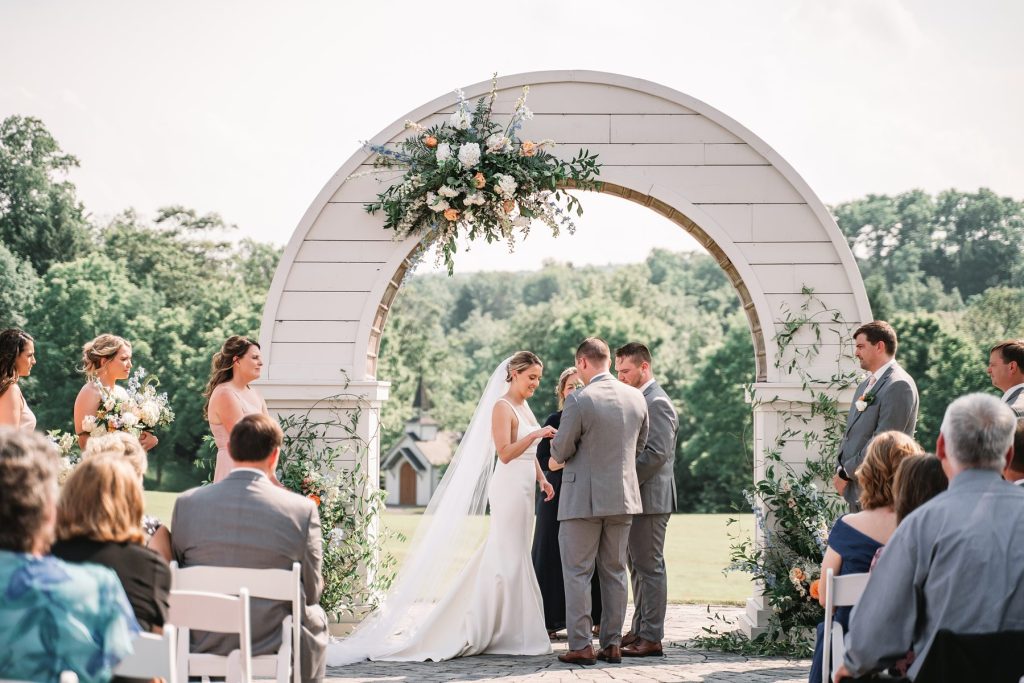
[(750, 209)]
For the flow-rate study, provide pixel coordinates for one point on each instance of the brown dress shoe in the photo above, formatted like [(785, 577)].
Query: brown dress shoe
[(643, 648), (629, 639), (584, 656), (611, 654)]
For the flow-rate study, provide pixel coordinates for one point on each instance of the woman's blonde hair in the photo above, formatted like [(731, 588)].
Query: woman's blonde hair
[(878, 471), (521, 361), (563, 379), (102, 501), (122, 445), (102, 348)]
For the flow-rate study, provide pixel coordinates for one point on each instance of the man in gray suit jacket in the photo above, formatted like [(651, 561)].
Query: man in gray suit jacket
[(655, 473), (603, 429), (246, 521), (1006, 370), (886, 400)]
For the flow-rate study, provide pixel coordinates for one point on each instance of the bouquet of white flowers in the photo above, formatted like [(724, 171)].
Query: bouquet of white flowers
[(67, 449), (133, 410)]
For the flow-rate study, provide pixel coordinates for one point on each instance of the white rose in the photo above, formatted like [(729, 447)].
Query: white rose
[(435, 203), (498, 143), (129, 420), (861, 406), (460, 120), (444, 152), (109, 403), (88, 423), (150, 413), (469, 154), (506, 185), (446, 191), (119, 393)]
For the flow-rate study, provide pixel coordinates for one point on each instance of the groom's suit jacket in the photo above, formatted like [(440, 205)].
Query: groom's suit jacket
[(655, 465), (893, 408), (246, 521), (603, 429)]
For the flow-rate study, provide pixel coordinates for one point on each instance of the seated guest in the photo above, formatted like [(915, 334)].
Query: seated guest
[(1014, 471), (55, 616), (957, 562), (99, 522), (123, 444), (919, 478), (856, 537), (244, 520)]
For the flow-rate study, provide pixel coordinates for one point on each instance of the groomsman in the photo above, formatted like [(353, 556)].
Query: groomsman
[(655, 473), (1006, 370), (886, 400)]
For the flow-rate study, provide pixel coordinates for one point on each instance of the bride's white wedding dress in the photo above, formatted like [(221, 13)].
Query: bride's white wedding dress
[(493, 606)]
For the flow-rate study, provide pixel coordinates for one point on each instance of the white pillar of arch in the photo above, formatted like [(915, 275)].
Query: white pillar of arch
[(341, 270)]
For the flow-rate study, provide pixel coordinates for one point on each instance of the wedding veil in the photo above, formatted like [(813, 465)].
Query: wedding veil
[(451, 530)]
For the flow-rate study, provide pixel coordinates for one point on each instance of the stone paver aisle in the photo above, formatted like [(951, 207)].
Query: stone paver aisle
[(678, 664)]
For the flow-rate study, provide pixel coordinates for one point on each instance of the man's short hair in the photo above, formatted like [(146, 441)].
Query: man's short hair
[(978, 431), (1017, 464), (634, 351), (594, 350), (879, 331), (254, 438), (1011, 351)]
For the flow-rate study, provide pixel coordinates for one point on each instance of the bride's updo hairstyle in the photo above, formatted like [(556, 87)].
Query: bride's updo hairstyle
[(521, 361), (99, 350), (222, 369)]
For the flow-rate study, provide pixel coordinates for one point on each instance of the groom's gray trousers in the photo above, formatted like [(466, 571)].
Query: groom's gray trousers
[(585, 544), (647, 574)]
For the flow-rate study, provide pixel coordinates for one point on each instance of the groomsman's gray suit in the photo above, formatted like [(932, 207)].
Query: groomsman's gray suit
[(245, 521), (655, 473), (1016, 401), (894, 408), (603, 429)]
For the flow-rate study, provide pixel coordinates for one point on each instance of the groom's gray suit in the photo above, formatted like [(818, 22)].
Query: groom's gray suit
[(655, 472), (603, 429)]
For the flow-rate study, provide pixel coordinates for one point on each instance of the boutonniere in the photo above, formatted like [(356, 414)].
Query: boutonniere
[(864, 401)]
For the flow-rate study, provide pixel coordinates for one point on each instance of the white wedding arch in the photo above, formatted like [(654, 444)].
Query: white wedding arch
[(341, 270)]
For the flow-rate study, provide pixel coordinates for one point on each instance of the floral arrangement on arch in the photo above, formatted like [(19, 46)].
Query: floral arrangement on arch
[(133, 409), (472, 175)]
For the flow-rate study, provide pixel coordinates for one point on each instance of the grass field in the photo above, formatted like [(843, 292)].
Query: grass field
[(696, 550)]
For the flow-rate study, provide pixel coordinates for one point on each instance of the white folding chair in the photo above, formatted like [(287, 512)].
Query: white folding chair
[(271, 584), (153, 656), (840, 591), (217, 613)]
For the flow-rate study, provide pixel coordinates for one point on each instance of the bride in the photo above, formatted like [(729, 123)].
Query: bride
[(454, 596)]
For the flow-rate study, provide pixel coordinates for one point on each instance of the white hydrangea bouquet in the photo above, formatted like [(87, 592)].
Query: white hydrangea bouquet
[(473, 175), (67, 449), (134, 409)]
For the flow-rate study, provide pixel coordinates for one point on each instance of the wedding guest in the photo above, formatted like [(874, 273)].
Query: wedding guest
[(98, 522), (856, 536), (886, 400), (919, 478), (229, 397), (547, 559), (1014, 471), (957, 562), (246, 521), (105, 360), (124, 445), (56, 616), (17, 356), (1006, 370)]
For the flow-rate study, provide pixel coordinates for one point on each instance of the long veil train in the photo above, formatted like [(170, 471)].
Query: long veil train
[(452, 528)]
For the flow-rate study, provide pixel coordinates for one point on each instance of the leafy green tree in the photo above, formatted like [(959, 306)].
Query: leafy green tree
[(19, 286), (41, 219), (994, 315)]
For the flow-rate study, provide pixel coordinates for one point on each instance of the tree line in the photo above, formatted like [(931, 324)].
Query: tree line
[(942, 268)]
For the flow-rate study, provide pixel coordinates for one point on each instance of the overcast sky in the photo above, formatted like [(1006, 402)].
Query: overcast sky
[(247, 108)]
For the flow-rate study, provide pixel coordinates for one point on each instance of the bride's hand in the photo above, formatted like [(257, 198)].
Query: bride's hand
[(544, 433), (547, 489)]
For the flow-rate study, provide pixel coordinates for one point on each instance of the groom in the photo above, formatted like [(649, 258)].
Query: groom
[(603, 429)]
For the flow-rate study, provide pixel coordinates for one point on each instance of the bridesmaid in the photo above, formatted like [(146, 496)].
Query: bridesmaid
[(547, 560), (17, 356), (228, 395), (105, 359)]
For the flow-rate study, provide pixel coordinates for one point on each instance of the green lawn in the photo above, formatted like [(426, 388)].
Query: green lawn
[(696, 551)]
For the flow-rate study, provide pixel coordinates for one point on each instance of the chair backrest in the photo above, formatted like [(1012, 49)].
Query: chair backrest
[(152, 657), (270, 584), (840, 591), (212, 612)]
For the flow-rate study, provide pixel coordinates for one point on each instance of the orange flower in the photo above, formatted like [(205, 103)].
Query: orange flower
[(315, 498), (528, 149), (451, 214), (430, 141), (508, 205), (816, 589), (479, 181)]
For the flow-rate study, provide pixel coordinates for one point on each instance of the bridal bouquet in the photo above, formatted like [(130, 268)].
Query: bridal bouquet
[(133, 409), (67, 450), (473, 175)]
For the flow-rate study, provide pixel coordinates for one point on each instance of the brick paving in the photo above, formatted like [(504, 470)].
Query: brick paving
[(678, 664)]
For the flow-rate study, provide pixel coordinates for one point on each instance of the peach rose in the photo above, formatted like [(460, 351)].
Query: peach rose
[(479, 181), (528, 149), (315, 498), (430, 141), (508, 205), (816, 589), (451, 214)]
